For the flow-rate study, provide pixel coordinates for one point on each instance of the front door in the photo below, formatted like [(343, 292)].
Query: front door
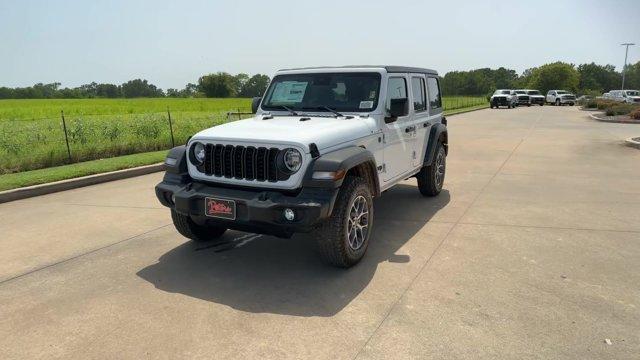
[(399, 133)]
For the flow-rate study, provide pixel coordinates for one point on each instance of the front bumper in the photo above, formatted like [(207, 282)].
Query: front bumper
[(567, 101), (259, 211), (537, 100), (501, 101)]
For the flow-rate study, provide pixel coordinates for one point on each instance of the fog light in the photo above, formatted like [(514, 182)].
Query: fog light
[(289, 214), (173, 198)]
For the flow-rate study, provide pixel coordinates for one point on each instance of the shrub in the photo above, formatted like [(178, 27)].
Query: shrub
[(635, 114), (591, 104), (620, 109), (605, 104)]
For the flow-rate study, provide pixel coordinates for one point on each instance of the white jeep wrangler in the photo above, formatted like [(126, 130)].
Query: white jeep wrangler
[(322, 144)]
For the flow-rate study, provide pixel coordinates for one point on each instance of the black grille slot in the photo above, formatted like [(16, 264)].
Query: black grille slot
[(240, 162), (217, 160), (261, 164), (249, 163)]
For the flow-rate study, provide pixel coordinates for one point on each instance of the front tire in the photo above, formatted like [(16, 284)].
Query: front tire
[(343, 238), (189, 229), (558, 102), (431, 178)]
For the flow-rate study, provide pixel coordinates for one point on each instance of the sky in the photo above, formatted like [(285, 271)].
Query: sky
[(171, 43)]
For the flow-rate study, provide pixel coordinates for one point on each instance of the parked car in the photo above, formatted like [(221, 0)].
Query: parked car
[(560, 97), (521, 97), (503, 97), (626, 96), (322, 144), (535, 96)]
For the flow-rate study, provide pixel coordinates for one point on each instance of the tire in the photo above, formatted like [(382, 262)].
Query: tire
[(339, 242), (431, 178), (570, 104), (528, 105), (542, 104), (189, 229), (509, 106), (558, 102)]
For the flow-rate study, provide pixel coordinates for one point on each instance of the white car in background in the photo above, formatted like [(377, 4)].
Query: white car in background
[(560, 97), (626, 96), (535, 97)]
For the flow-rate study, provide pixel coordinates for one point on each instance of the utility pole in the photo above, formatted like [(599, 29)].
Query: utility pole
[(624, 67)]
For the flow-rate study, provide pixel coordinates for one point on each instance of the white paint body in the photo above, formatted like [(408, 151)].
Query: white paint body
[(398, 150)]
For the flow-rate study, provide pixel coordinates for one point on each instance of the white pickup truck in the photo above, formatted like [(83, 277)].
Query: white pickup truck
[(560, 97), (322, 144)]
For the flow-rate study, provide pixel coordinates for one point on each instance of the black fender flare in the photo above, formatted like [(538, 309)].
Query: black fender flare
[(176, 160), (343, 160), (438, 133)]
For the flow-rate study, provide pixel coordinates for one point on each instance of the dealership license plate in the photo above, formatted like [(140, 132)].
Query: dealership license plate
[(220, 208)]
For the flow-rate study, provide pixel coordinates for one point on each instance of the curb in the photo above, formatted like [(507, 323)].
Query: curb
[(466, 111), (42, 189), (633, 143), (630, 121)]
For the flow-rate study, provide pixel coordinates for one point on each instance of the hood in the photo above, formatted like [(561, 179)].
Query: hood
[(323, 131)]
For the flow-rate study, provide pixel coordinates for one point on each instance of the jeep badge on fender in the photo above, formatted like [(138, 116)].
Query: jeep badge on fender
[(322, 144)]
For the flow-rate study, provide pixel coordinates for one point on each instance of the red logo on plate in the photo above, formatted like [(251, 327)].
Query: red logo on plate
[(218, 208)]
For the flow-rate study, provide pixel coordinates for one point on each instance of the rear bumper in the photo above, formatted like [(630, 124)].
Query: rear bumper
[(256, 211)]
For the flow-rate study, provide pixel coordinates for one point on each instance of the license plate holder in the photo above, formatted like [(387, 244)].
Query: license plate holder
[(220, 208)]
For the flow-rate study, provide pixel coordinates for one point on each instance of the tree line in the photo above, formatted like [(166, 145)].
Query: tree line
[(220, 84), (588, 79), (591, 79)]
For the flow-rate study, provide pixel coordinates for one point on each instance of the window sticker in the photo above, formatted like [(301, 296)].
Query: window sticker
[(372, 94), (289, 92), (366, 104)]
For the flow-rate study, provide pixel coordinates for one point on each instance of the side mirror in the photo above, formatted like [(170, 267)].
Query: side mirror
[(255, 103), (398, 107)]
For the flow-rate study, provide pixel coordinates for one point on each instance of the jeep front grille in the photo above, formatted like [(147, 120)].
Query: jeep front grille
[(242, 162)]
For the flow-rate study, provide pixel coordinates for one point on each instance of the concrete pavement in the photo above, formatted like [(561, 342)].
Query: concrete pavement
[(532, 251)]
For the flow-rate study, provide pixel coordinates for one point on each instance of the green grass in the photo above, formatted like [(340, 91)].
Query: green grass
[(43, 176), (32, 135)]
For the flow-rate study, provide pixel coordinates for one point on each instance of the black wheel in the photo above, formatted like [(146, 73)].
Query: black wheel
[(528, 104), (509, 106), (189, 229), (570, 104), (542, 104), (430, 178), (558, 102), (344, 237), (491, 105)]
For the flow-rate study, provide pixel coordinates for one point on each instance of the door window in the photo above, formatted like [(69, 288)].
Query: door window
[(435, 100), (396, 89), (419, 96)]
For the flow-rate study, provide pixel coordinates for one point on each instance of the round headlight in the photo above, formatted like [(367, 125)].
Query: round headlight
[(292, 160), (198, 153)]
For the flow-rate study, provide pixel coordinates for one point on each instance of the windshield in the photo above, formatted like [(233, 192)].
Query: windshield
[(355, 92), (520, 92), (533, 92), (561, 92), (633, 93), (502, 92)]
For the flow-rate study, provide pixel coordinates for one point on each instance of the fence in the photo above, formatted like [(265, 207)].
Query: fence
[(45, 142)]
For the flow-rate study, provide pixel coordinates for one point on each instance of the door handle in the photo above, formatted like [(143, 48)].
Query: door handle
[(409, 129), (426, 124)]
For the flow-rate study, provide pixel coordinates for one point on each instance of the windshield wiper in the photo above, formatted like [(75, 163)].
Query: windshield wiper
[(322, 107), (290, 110)]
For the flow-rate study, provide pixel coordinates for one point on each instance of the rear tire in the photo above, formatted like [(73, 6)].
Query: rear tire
[(343, 238), (431, 178), (189, 229)]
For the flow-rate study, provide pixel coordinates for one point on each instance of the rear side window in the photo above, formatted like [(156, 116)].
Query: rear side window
[(435, 99), (396, 89), (419, 96)]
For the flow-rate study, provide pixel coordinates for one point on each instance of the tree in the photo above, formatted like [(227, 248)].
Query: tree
[(557, 75), (598, 78), (219, 85), (140, 88), (255, 86), (108, 91), (632, 77)]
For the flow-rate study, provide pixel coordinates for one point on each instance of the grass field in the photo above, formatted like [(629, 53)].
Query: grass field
[(32, 134)]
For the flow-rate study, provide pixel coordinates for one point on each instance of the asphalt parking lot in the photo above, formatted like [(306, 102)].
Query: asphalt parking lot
[(532, 251)]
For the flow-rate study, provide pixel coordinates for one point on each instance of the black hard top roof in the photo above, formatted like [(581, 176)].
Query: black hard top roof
[(389, 68)]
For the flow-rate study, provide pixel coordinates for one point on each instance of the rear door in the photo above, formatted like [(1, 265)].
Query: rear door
[(420, 117), (434, 116)]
